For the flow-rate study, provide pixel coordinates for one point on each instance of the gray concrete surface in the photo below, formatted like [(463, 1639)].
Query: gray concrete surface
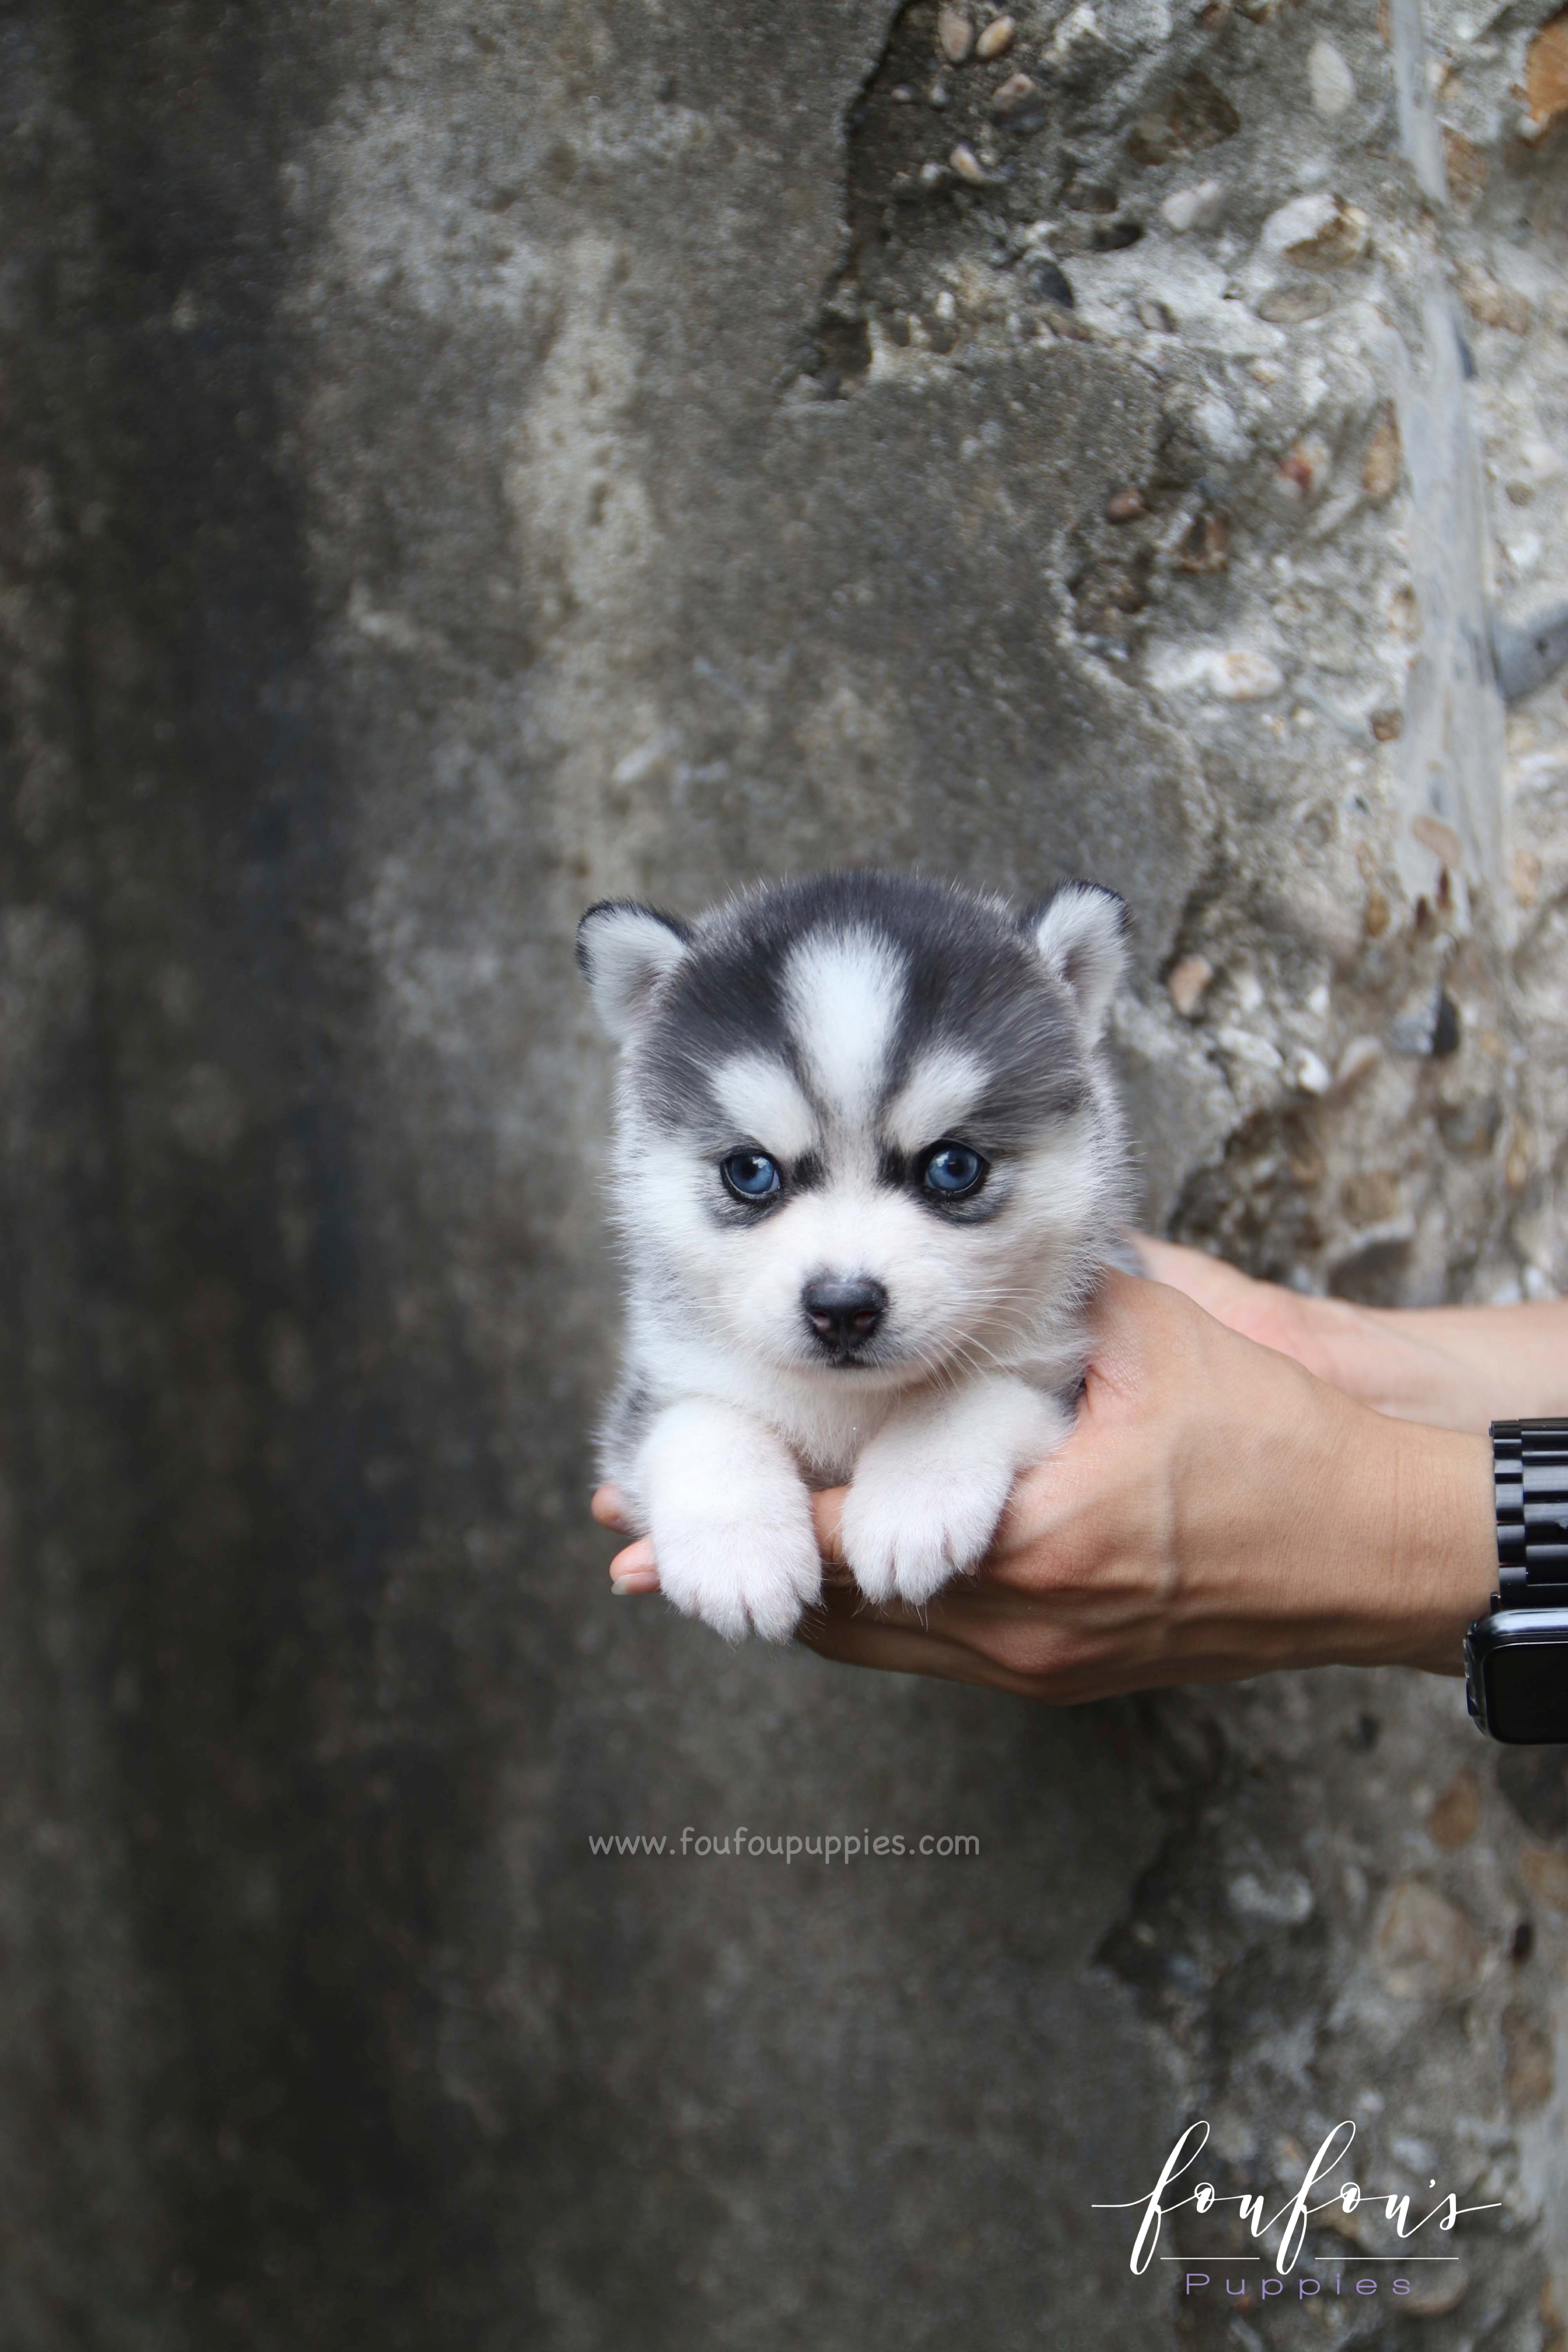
[(459, 461)]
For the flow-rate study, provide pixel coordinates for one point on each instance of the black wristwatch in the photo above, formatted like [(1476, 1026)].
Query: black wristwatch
[(1516, 1660)]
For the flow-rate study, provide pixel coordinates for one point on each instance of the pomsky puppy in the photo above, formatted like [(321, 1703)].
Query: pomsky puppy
[(869, 1166)]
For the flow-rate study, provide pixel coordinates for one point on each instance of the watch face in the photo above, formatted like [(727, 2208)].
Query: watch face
[(1518, 1662)]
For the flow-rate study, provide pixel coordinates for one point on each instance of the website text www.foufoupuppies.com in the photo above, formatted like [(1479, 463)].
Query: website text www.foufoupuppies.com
[(828, 1846)]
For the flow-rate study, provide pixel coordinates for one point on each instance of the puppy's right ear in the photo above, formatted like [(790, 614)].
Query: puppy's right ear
[(625, 951)]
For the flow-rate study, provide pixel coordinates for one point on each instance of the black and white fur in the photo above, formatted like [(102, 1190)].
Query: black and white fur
[(845, 1029)]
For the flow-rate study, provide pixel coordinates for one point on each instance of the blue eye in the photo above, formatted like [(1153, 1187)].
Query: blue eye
[(750, 1175), (953, 1171)]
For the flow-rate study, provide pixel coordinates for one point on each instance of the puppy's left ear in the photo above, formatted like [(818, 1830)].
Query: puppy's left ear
[(1081, 931), (625, 951)]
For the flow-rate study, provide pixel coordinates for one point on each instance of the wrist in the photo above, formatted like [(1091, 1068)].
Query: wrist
[(1379, 1533), (1442, 1543)]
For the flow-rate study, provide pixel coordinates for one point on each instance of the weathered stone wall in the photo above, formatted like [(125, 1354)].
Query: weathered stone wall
[(461, 461)]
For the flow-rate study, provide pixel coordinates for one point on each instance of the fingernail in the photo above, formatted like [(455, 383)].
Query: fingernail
[(638, 1581)]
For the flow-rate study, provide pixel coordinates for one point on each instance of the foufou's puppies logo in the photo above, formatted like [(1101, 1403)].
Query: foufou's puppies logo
[(1423, 2231)]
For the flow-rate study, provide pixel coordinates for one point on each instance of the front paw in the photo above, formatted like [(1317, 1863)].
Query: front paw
[(739, 1576), (908, 1528), (929, 1490)]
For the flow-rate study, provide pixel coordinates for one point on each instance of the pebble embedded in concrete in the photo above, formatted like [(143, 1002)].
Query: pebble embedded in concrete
[(1318, 231), (1434, 833), (1359, 1056), (1187, 982), (1329, 79), (1221, 430), (1089, 196), (1546, 73), (1293, 306), (1411, 1032), (1010, 98), (1283, 1898), (954, 33), (1382, 461), (1206, 546), (996, 38), (1424, 1947), (1078, 30), (967, 164), (1195, 207), (1491, 304), (1050, 282), (1244, 675), (1297, 470)]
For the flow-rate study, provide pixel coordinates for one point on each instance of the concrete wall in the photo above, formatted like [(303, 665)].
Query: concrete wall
[(462, 460)]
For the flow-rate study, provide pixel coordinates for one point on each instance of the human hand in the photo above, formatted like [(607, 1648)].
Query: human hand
[(1453, 1367), (1216, 1512)]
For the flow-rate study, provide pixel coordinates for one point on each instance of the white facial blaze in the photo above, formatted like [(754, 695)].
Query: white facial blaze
[(938, 1094), (843, 992), (760, 1097)]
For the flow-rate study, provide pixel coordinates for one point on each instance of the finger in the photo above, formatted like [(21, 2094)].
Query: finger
[(1208, 1280), (1002, 1634), (1032, 1517), (1326, 1336), (842, 1600), (1006, 1648), (898, 1649), (609, 1507), (634, 1570), (1127, 1318), (827, 1511), (912, 1649)]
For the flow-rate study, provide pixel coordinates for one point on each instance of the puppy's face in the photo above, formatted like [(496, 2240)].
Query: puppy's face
[(859, 1138)]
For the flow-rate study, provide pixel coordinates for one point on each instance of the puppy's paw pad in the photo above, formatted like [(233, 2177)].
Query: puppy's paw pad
[(740, 1579)]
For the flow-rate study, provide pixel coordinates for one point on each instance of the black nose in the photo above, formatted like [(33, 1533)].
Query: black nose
[(845, 1313)]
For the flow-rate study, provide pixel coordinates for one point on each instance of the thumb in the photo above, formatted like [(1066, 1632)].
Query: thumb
[(827, 1511)]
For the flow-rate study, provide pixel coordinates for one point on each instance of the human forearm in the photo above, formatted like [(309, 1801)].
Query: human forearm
[(1502, 1363), (1454, 1367)]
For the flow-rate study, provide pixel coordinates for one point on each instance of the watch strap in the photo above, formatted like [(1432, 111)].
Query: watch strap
[(1530, 1473)]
